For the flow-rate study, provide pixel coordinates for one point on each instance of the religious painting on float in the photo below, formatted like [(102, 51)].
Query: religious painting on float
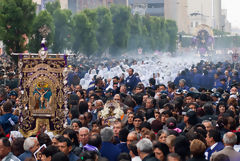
[(203, 39), (43, 84)]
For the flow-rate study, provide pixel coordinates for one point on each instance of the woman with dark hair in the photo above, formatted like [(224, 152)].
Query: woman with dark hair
[(161, 151), (221, 108), (76, 124), (74, 112), (72, 135)]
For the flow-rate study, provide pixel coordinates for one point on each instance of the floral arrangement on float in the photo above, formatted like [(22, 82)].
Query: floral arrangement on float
[(111, 112)]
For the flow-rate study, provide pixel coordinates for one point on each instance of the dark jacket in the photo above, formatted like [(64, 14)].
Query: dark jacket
[(150, 157), (131, 82), (123, 147), (217, 148), (109, 151), (8, 121), (25, 155), (72, 157)]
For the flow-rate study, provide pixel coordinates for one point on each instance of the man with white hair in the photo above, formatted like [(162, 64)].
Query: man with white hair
[(229, 140), (83, 136), (30, 145), (108, 149), (145, 150)]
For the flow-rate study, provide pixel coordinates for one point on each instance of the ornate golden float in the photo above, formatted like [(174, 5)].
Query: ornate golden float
[(43, 85)]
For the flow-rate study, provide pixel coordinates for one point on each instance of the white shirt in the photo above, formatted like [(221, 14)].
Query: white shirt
[(136, 158)]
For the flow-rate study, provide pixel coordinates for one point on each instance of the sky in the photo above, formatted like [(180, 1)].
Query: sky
[(233, 11)]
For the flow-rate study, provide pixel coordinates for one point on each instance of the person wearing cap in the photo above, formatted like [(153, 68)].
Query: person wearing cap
[(178, 93), (13, 96), (190, 119), (216, 97), (209, 112), (172, 124)]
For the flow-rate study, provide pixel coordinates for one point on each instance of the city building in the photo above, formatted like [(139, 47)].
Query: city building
[(64, 4), (206, 12), (177, 10), (121, 2), (150, 7), (41, 4), (72, 5), (225, 24)]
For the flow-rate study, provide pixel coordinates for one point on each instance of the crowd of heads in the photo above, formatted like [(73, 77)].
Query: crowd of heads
[(195, 116)]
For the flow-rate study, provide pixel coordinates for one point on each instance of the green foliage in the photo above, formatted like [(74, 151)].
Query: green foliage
[(135, 37), (51, 7), (43, 18), (84, 35), (219, 32), (104, 30), (16, 18), (88, 32), (171, 28), (120, 18), (227, 42), (63, 30)]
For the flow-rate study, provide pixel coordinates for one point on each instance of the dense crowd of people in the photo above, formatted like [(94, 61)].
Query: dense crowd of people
[(194, 117)]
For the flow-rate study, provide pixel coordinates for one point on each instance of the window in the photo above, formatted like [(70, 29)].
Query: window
[(191, 24), (155, 5)]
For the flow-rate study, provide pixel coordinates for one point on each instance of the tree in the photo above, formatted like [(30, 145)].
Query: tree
[(63, 30), (171, 27), (147, 38), (84, 35), (51, 7), (43, 21), (105, 28), (16, 18), (134, 41), (163, 35), (120, 19)]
